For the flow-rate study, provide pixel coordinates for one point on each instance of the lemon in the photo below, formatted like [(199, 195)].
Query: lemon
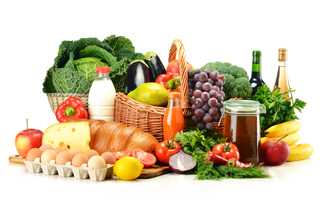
[(127, 168)]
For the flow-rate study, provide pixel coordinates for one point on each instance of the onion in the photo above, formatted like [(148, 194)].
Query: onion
[(182, 162)]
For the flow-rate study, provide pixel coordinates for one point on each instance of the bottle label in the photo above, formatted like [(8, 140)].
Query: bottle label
[(256, 68)]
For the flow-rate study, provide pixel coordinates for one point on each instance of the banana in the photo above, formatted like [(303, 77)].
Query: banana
[(300, 152), (291, 139), (283, 129)]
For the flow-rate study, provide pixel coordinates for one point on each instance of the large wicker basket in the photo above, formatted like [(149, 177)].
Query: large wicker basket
[(150, 118), (55, 99)]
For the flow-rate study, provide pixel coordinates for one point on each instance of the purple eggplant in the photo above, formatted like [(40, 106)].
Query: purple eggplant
[(138, 73)]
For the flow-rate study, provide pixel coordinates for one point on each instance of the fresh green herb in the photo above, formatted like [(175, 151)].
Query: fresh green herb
[(198, 143), (197, 140), (278, 108)]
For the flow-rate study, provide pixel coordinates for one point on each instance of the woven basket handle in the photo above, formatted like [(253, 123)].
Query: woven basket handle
[(177, 53)]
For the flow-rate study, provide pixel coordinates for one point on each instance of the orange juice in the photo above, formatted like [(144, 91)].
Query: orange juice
[(173, 117)]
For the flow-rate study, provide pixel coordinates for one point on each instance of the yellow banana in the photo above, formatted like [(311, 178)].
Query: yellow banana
[(283, 129), (300, 152), (291, 139)]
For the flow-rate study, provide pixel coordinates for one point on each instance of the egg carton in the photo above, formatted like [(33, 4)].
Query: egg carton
[(67, 170)]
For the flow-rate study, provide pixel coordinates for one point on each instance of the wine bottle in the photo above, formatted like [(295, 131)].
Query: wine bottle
[(282, 81), (256, 77)]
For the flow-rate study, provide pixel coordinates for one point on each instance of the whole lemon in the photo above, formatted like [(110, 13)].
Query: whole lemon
[(127, 168)]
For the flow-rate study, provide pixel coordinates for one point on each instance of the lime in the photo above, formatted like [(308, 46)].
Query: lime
[(127, 168)]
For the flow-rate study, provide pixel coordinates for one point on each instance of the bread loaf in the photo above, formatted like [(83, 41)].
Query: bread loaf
[(98, 135)]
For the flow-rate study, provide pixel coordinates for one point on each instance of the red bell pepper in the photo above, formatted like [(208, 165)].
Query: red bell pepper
[(71, 109), (164, 78)]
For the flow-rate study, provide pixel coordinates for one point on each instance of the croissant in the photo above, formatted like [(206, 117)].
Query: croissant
[(98, 135)]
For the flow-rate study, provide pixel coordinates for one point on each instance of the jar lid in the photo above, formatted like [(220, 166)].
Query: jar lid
[(243, 107)]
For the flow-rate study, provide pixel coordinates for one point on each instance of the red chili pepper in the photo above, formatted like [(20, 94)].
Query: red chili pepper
[(71, 109)]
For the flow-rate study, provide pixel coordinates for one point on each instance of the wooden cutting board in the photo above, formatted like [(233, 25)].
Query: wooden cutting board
[(146, 173)]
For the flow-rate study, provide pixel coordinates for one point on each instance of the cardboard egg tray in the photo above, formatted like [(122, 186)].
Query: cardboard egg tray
[(68, 170)]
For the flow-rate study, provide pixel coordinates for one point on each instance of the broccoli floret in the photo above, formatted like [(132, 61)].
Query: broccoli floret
[(238, 72), (236, 79), (241, 88)]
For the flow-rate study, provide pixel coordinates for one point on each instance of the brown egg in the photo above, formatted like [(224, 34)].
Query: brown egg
[(96, 162), (63, 157), (109, 157), (91, 153), (74, 151), (33, 154), (48, 155), (79, 159)]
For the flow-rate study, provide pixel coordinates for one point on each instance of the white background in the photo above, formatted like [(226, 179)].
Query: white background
[(31, 31)]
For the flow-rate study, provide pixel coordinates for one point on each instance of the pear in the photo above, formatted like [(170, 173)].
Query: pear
[(150, 93)]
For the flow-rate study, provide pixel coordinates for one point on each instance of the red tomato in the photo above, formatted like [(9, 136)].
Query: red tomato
[(222, 153), (173, 67), (166, 149), (164, 78)]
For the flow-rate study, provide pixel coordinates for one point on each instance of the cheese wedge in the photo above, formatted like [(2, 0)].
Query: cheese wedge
[(68, 135)]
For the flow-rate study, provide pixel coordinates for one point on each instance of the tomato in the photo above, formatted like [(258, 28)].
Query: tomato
[(173, 67), (147, 159), (166, 149), (222, 153)]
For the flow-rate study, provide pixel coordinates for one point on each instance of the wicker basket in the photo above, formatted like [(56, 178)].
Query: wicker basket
[(55, 99), (147, 117)]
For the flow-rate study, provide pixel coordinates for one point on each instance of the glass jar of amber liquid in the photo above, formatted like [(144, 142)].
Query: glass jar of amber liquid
[(242, 127)]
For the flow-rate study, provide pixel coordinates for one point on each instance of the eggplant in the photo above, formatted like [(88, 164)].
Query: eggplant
[(156, 65), (138, 72)]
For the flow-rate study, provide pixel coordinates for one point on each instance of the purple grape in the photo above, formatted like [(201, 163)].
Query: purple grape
[(213, 93), (192, 100), (219, 83), (197, 93), (198, 85), (207, 118), (200, 125), (206, 107), (198, 103), (216, 88), (211, 81), (194, 118), (209, 126), (213, 111), (205, 96), (203, 77), (213, 102), (197, 77), (199, 113), (220, 97), (206, 86), (214, 75)]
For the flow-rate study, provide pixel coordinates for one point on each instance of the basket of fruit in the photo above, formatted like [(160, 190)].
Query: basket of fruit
[(144, 106)]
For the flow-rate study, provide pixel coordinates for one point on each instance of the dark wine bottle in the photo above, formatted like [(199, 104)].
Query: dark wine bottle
[(256, 78)]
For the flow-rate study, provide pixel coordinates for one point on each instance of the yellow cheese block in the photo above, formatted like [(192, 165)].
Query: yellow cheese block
[(68, 135)]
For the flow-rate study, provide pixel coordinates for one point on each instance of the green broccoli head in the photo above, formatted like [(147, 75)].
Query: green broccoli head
[(241, 88), (228, 85), (237, 72)]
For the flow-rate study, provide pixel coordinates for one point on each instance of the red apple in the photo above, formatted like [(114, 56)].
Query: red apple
[(28, 139), (275, 152)]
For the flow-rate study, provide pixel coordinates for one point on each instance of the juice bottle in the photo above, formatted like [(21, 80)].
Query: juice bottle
[(173, 117)]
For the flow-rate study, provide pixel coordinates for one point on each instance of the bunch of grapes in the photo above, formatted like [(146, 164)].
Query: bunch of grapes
[(206, 98)]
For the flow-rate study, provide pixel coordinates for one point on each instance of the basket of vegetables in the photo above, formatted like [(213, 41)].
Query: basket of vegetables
[(74, 68), (145, 104)]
